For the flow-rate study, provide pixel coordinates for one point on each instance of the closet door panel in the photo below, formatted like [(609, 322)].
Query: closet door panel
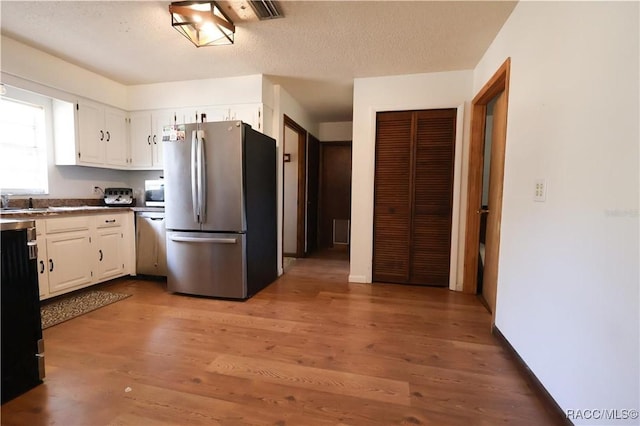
[(433, 197), (392, 211)]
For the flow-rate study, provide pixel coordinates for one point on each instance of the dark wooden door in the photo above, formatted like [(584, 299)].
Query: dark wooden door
[(335, 188), (393, 196), (414, 196), (313, 186)]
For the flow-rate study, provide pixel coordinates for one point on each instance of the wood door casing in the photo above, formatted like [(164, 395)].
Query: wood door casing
[(497, 84), (496, 178), (301, 187), (313, 189), (414, 196)]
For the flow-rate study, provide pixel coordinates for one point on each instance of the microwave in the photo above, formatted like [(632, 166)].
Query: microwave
[(154, 193)]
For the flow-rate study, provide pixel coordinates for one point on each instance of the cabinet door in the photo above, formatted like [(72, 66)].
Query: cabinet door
[(250, 114), (43, 267), (68, 263), (141, 140), (108, 252), (160, 120), (91, 133), (115, 138)]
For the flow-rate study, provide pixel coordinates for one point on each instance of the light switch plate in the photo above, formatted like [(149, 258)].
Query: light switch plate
[(540, 193)]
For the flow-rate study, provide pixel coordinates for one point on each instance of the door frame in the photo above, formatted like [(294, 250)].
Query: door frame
[(302, 185), (312, 195), (499, 82)]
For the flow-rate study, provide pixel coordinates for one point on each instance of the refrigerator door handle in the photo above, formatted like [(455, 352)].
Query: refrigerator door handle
[(204, 240), (202, 178), (194, 177)]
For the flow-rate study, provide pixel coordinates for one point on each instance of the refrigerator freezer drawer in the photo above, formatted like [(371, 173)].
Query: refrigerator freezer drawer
[(207, 264)]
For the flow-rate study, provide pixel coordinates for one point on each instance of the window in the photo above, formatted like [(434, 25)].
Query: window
[(23, 147)]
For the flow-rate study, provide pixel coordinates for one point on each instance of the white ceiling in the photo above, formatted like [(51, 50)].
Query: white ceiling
[(314, 52)]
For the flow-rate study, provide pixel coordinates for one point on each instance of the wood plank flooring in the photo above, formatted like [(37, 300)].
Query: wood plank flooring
[(311, 349)]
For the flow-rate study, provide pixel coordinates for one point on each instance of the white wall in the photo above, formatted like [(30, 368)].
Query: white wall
[(34, 70), (568, 297), (30, 64), (177, 94), (337, 131), (407, 92), (290, 194), (285, 104)]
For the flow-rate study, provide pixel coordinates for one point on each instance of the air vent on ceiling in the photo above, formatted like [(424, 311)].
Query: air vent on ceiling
[(266, 9)]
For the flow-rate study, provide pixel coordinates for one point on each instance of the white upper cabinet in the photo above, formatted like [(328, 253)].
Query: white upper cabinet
[(145, 133), (249, 113), (140, 134), (99, 140), (115, 142), (92, 134)]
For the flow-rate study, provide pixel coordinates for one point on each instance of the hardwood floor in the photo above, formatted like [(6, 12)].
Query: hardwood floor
[(310, 349)]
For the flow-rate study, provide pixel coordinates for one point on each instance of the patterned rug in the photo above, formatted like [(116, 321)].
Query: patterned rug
[(75, 305)]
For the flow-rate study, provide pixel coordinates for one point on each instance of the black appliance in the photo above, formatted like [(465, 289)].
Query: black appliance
[(22, 344)]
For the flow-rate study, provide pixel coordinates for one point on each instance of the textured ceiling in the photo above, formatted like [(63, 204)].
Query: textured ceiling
[(314, 52)]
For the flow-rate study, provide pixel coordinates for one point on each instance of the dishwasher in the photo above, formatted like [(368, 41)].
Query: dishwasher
[(151, 253)]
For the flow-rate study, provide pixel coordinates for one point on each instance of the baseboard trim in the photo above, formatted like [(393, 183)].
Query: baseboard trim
[(536, 384), (358, 279)]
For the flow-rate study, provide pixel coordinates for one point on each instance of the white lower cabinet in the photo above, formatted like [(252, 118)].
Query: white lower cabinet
[(78, 251), (109, 247), (68, 261)]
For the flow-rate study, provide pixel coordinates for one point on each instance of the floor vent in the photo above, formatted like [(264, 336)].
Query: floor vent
[(341, 231), (266, 9)]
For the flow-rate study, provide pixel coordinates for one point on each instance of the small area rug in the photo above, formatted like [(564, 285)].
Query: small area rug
[(75, 305)]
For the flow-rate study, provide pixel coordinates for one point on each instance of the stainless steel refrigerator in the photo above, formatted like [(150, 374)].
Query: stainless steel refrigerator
[(220, 205)]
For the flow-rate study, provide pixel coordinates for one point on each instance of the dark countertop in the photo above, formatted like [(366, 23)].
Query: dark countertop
[(148, 209), (59, 211)]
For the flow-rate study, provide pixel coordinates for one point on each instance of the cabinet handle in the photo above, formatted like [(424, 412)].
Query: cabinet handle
[(101, 135), (155, 142), (42, 266), (50, 265), (149, 140), (108, 136), (110, 221), (101, 255)]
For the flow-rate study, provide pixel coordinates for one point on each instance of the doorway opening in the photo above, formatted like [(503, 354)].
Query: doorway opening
[(334, 204), (486, 176), (294, 190)]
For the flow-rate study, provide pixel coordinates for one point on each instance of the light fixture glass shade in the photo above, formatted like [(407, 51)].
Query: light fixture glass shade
[(202, 22)]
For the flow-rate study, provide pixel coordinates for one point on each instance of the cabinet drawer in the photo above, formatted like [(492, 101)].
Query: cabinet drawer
[(67, 224), (109, 220)]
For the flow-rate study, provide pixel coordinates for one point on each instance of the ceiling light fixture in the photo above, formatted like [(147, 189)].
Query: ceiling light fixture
[(202, 22)]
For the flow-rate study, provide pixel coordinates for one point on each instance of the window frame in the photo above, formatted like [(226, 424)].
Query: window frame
[(44, 143)]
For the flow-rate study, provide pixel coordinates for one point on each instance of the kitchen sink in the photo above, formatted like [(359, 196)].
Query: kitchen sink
[(72, 208), (20, 210)]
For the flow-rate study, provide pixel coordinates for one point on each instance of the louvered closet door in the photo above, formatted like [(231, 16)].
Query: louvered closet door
[(392, 211), (413, 196), (433, 197)]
